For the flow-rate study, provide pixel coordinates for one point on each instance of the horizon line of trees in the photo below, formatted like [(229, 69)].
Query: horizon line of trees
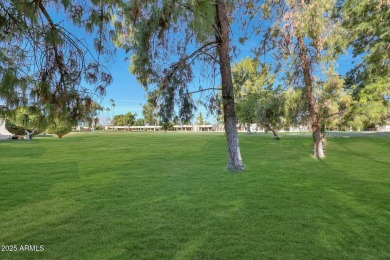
[(130, 119)]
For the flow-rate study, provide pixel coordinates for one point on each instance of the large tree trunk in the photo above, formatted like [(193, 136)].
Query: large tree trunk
[(313, 110), (248, 128), (323, 134), (233, 148)]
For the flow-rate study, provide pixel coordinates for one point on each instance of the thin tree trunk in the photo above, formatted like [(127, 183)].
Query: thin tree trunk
[(29, 135), (233, 148), (276, 136), (313, 110), (274, 132)]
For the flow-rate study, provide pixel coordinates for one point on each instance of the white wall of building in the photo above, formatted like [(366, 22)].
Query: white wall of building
[(4, 134)]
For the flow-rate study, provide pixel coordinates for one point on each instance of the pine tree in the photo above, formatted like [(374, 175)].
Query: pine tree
[(200, 120), (250, 85), (43, 63), (193, 33), (368, 24), (305, 39)]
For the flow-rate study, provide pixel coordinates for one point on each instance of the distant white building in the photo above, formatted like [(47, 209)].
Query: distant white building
[(183, 128), (4, 134), (135, 128), (195, 128), (385, 127), (203, 128)]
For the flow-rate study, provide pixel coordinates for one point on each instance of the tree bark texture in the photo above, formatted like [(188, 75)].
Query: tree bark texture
[(313, 110), (274, 132), (233, 148), (276, 136), (323, 134), (248, 128)]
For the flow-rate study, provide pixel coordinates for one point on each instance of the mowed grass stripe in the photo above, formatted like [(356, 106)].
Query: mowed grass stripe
[(168, 196)]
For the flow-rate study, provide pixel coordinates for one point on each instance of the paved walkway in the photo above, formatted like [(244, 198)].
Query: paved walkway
[(358, 134)]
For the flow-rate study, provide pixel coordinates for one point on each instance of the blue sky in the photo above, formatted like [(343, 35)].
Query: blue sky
[(127, 93)]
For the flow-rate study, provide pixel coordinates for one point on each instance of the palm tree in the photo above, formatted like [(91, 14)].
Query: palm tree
[(112, 102), (108, 116)]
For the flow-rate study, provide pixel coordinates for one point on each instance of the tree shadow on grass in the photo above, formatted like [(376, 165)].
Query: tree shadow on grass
[(363, 155)]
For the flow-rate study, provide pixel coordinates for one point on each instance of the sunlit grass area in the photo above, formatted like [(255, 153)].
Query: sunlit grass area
[(168, 196)]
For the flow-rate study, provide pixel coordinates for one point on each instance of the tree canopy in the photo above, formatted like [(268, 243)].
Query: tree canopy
[(251, 83), (24, 119), (127, 119), (60, 126), (368, 24), (43, 63)]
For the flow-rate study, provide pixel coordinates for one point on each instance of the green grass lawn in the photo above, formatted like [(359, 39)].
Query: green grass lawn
[(168, 196)]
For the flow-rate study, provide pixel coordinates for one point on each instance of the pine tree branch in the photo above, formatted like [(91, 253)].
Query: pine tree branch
[(189, 8), (202, 90), (176, 65), (211, 56), (53, 27), (47, 16), (200, 50)]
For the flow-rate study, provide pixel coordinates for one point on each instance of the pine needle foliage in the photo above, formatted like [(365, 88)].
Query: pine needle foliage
[(166, 39), (43, 63)]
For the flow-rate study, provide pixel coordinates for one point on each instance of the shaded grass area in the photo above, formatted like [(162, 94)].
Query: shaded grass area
[(168, 196)]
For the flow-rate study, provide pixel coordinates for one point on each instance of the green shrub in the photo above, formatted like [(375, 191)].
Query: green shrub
[(60, 127)]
